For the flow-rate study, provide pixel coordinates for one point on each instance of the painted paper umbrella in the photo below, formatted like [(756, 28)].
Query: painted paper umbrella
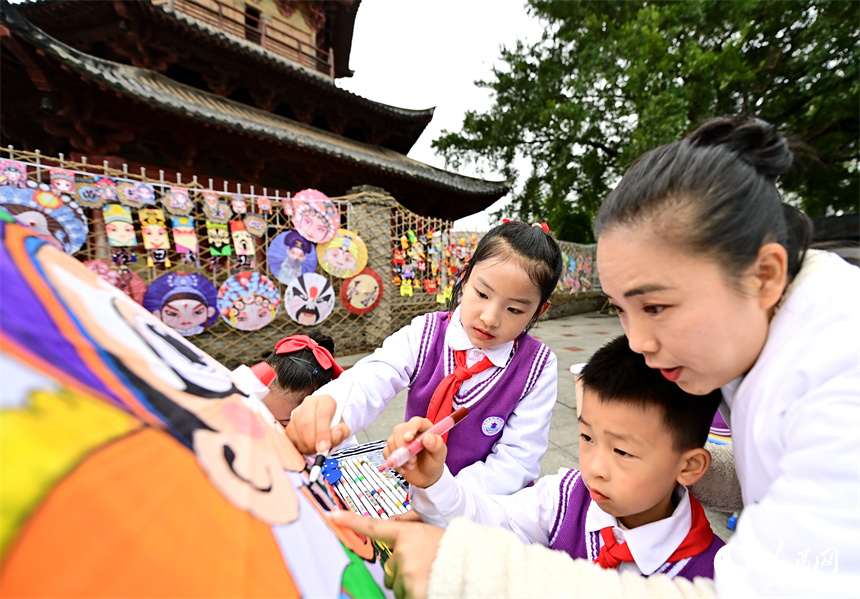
[(186, 302), (362, 293), (48, 214), (134, 465), (309, 299), (291, 255), (126, 280), (248, 301), (315, 216), (343, 255)]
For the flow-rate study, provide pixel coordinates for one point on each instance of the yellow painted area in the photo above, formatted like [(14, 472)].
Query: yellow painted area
[(41, 443)]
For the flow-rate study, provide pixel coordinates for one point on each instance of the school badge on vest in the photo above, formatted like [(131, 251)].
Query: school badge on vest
[(492, 425)]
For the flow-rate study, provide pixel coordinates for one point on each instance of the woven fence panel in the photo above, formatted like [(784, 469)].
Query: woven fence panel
[(418, 259)]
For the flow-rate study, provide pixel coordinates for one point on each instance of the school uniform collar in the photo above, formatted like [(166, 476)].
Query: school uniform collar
[(456, 338), (650, 544)]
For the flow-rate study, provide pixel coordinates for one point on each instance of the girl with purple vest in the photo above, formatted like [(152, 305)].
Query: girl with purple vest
[(478, 356), (641, 444)]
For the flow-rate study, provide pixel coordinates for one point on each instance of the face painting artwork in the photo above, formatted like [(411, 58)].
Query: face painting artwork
[(186, 302), (315, 216), (13, 174), (309, 299), (57, 217), (248, 301), (362, 293), (343, 255), (219, 239), (290, 255), (132, 464), (119, 226), (176, 201), (184, 235)]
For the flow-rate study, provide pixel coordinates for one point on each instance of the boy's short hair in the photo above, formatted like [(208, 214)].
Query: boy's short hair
[(617, 373)]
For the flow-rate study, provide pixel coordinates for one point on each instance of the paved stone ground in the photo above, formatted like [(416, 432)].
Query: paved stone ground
[(573, 339)]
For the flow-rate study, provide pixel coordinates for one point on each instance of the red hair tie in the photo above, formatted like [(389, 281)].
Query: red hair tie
[(294, 343), (543, 225)]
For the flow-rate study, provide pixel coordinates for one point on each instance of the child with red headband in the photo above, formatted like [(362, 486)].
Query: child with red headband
[(302, 364)]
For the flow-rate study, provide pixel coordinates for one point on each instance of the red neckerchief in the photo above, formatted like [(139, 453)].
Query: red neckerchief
[(697, 540)]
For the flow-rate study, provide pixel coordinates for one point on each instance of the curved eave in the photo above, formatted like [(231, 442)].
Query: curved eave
[(157, 90), (210, 33)]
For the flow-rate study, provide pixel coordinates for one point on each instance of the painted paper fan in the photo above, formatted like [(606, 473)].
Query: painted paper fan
[(343, 255), (248, 301), (186, 302), (309, 299), (362, 293), (315, 216), (126, 280), (135, 465), (291, 255), (48, 214)]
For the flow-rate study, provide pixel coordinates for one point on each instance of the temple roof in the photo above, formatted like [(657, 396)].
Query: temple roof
[(410, 181), (75, 23)]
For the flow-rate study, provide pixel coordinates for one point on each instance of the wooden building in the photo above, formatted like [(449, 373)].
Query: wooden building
[(239, 91)]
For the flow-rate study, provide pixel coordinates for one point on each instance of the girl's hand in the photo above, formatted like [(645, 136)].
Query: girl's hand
[(426, 467), (414, 546), (309, 426)]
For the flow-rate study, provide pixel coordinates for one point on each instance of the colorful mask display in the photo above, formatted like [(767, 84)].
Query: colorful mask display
[(309, 299), (291, 255), (186, 302), (315, 216), (44, 211), (155, 236), (119, 226), (343, 255), (248, 301)]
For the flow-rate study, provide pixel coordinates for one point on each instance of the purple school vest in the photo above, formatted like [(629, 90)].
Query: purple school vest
[(472, 440), (568, 533)]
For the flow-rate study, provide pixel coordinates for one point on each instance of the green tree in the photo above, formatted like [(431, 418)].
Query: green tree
[(612, 79)]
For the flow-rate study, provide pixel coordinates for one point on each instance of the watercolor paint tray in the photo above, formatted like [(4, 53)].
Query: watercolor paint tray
[(366, 490)]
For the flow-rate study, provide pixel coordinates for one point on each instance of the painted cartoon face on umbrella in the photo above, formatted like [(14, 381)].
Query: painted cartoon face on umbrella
[(183, 301), (343, 255), (291, 255), (48, 214), (248, 301), (315, 216), (309, 299)]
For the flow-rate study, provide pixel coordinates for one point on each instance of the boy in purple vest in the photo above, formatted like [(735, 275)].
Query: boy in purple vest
[(640, 447)]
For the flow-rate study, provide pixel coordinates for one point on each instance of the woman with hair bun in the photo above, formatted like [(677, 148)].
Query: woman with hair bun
[(715, 286)]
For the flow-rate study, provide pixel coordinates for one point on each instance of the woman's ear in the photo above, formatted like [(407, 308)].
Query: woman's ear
[(694, 464), (771, 272)]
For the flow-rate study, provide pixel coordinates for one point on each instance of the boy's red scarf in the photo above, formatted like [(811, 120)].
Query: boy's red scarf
[(698, 539)]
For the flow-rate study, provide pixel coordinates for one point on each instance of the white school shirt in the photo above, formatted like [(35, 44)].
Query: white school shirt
[(530, 514), (795, 422), (378, 378)]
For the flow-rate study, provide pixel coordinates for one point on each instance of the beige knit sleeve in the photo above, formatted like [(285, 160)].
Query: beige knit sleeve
[(479, 561), (719, 488)]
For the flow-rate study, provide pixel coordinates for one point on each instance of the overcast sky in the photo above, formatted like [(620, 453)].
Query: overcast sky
[(423, 53)]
